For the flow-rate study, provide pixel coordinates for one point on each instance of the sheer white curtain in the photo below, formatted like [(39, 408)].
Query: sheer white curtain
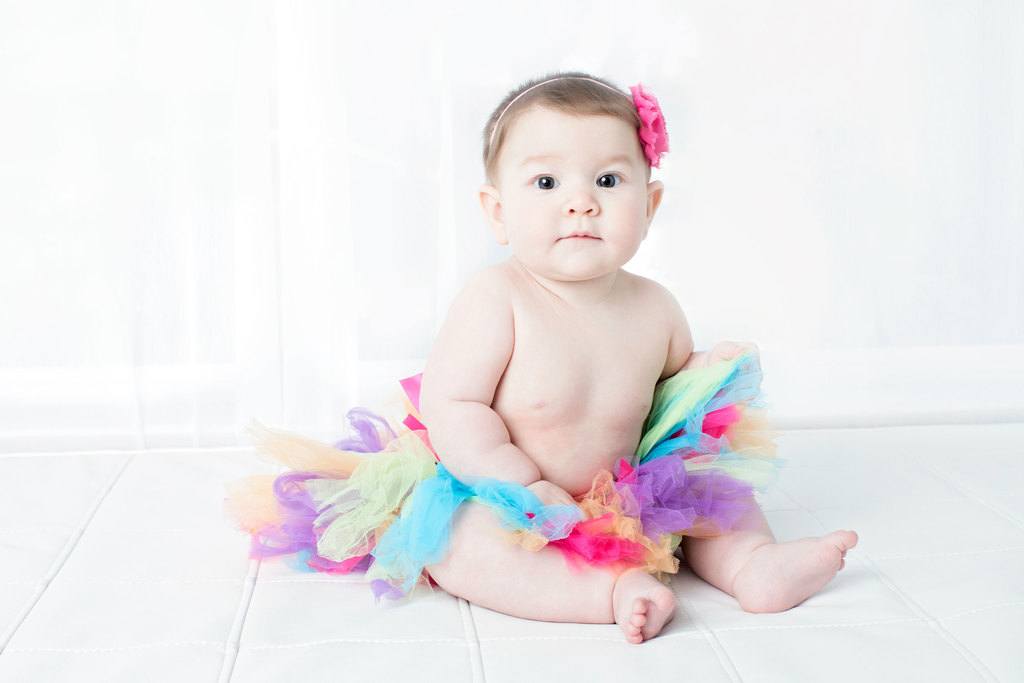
[(217, 211)]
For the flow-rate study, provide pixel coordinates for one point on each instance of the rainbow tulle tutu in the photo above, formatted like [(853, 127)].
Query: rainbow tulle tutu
[(380, 501)]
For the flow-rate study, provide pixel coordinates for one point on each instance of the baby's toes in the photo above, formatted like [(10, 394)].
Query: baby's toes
[(841, 540), (847, 539)]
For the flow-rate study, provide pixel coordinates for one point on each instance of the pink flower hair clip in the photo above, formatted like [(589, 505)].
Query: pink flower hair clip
[(652, 132)]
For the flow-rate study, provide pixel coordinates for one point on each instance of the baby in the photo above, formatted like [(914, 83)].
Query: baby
[(539, 375)]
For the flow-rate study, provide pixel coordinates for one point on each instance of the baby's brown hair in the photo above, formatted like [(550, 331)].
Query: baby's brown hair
[(570, 93)]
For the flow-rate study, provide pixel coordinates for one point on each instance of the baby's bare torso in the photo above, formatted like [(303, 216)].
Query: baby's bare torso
[(579, 384)]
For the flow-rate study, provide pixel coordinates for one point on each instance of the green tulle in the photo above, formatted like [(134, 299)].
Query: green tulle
[(355, 508), (677, 397)]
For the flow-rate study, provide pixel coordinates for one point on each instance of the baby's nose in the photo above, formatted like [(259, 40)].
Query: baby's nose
[(581, 203)]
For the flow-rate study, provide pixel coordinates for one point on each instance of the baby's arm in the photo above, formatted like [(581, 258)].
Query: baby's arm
[(461, 375), (680, 347)]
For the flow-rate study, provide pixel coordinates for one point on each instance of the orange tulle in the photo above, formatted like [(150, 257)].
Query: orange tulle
[(251, 502)]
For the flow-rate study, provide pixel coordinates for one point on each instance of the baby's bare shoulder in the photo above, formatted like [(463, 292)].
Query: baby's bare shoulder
[(650, 293), (496, 280)]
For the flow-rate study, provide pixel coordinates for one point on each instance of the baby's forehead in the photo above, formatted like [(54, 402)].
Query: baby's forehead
[(542, 132)]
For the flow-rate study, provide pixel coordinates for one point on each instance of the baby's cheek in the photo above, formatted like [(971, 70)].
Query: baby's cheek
[(639, 214)]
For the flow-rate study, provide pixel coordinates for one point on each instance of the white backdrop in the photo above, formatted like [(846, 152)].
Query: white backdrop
[(215, 211)]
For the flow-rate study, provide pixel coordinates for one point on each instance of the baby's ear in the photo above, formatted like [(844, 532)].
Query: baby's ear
[(490, 202), (655, 190)]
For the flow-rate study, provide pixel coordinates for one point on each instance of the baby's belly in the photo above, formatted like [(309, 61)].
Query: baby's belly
[(570, 456), (572, 435)]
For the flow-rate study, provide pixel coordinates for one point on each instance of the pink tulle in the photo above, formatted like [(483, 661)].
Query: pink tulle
[(592, 542), (717, 421)]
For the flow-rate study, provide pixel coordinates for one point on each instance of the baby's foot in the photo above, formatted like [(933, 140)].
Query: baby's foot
[(642, 604), (778, 576)]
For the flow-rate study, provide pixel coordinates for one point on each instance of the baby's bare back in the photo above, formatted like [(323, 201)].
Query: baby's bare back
[(579, 383)]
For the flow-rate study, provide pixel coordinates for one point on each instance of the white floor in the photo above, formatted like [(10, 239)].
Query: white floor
[(121, 566)]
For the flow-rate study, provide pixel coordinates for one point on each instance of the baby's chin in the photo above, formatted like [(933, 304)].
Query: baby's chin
[(578, 271)]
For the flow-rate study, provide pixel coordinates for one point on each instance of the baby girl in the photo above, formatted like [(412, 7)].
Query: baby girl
[(537, 377)]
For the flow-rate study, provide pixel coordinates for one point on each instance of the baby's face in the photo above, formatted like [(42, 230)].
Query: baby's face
[(560, 174)]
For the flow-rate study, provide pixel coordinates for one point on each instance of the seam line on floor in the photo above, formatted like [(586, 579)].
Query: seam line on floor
[(241, 614), (476, 662), (724, 660), (62, 558)]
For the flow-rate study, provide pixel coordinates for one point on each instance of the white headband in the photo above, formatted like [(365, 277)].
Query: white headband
[(557, 78)]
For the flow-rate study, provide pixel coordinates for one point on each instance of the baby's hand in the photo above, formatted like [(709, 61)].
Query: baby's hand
[(551, 494), (728, 350)]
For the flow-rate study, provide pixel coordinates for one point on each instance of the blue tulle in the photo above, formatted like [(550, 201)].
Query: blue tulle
[(420, 535)]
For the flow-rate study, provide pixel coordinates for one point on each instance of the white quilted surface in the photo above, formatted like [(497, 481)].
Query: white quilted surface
[(121, 566)]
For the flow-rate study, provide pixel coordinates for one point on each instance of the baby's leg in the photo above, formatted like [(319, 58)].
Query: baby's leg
[(487, 569), (762, 574)]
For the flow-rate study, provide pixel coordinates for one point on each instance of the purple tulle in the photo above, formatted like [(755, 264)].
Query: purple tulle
[(381, 587), (295, 531), (668, 499), (368, 438)]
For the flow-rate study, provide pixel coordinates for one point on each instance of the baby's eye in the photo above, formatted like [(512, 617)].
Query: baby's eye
[(546, 182), (608, 180)]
